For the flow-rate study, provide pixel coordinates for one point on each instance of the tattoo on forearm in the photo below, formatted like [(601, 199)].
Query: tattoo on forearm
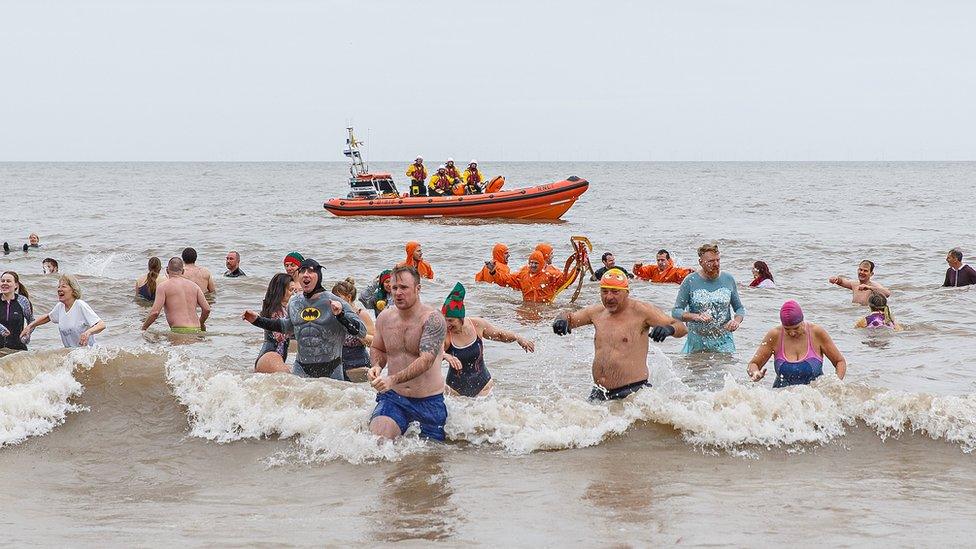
[(434, 332)]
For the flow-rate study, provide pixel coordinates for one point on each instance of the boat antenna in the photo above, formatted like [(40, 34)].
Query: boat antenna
[(358, 167)]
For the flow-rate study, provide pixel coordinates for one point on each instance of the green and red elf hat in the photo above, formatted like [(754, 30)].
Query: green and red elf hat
[(454, 304)]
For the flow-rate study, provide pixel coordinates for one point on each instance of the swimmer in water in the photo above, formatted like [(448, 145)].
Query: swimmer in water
[(320, 321), (798, 348), (464, 348), (623, 326), (880, 316), (274, 352), (355, 350), (292, 261), (409, 342), (861, 288), (147, 283), (179, 297), (377, 294), (704, 301)]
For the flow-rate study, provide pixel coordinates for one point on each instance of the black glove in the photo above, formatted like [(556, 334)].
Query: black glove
[(659, 333), (349, 325), (560, 326)]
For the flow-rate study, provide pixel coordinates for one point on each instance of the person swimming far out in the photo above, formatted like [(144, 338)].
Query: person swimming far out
[(761, 277), (440, 183), (415, 259), (418, 177), (798, 348), (536, 283), (464, 347), (662, 271), (377, 294), (498, 263), (880, 316)]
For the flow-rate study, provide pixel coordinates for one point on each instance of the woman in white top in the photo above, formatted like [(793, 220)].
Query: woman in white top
[(76, 321), (761, 277)]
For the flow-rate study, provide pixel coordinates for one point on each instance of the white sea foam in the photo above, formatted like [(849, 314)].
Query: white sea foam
[(328, 420)]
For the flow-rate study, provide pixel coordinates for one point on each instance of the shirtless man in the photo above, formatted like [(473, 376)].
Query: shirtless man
[(623, 326), (179, 297), (200, 275), (861, 288), (410, 341)]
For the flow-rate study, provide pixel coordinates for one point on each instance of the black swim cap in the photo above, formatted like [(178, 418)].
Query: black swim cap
[(312, 265)]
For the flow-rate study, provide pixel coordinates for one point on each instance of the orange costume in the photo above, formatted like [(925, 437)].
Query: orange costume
[(422, 266), (501, 265), (538, 287), (546, 251), (670, 274)]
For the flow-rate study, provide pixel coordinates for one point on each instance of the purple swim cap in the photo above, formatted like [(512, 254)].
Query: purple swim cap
[(790, 313)]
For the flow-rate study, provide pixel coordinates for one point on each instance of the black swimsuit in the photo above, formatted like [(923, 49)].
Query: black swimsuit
[(473, 375), (599, 393)]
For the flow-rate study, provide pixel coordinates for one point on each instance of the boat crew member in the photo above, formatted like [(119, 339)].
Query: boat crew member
[(473, 179), (418, 176), (440, 183), (452, 171)]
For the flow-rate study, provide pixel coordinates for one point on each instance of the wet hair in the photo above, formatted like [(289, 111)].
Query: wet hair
[(175, 264), (705, 248), (50, 260), (879, 303), (21, 289), (72, 283), (412, 271), (276, 292), (345, 288), (605, 256), (665, 252), (763, 270), (189, 255), (236, 254), (870, 264), (956, 253), (155, 265)]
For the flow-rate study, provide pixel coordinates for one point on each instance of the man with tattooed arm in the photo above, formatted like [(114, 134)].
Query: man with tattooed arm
[(409, 341)]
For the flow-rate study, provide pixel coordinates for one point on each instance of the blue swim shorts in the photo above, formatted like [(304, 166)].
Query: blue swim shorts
[(430, 412)]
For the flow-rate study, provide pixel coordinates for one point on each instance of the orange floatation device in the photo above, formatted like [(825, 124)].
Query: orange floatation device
[(577, 265)]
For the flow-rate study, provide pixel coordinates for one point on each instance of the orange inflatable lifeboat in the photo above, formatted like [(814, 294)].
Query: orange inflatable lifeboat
[(547, 202), (377, 194)]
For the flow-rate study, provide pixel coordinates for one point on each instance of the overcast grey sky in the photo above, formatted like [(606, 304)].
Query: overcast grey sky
[(495, 80)]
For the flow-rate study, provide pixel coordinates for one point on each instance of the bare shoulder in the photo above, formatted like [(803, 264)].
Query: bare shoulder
[(819, 331), (772, 334)]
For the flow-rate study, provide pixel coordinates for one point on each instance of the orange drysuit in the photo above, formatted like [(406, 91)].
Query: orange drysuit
[(539, 287), (422, 266), (669, 274), (546, 251), (501, 267)]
